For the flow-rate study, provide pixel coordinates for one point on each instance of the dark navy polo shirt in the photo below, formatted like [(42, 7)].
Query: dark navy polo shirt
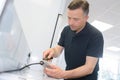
[(88, 42)]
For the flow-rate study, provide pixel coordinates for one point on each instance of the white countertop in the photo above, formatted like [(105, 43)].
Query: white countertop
[(33, 73)]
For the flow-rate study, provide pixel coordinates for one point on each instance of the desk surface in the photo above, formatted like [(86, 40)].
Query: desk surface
[(33, 73)]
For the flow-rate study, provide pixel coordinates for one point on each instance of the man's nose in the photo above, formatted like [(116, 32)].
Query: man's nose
[(71, 22)]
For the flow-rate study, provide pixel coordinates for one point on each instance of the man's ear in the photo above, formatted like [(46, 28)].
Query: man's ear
[(86, 17)]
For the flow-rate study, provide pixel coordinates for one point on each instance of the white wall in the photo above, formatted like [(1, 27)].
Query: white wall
[(38, 19)]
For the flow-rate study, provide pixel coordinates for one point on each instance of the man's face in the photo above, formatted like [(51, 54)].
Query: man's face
[(76, 19)]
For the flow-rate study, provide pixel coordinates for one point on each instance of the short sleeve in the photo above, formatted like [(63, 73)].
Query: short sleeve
[(95, 45), (62, 38)]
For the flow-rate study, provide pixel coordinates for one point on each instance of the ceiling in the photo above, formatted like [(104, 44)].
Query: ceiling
[(107, 11)]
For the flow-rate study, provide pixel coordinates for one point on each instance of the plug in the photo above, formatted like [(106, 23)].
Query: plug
[(45, 63)]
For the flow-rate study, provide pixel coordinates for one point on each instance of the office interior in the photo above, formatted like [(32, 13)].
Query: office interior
[(28, 27)]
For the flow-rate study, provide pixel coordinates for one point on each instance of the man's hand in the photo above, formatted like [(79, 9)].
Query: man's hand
[(48, 54), (54, 71), (52, 52)]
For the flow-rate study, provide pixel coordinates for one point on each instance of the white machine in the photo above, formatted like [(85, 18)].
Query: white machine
[(14, 50)]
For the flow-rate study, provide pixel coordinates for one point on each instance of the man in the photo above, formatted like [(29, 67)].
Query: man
[(83, 45)]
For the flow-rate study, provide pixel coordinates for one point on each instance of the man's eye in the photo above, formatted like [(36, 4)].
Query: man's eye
[(69, 18), (76, 19)]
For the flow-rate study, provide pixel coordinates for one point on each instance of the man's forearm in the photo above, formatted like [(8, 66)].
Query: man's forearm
[(77, 73), (57, 50), (84, 70)]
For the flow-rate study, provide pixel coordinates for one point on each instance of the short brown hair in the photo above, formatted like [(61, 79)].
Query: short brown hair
[(75, 4)]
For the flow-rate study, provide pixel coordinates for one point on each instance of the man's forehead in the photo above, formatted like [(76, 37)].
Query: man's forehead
[(75, 13)]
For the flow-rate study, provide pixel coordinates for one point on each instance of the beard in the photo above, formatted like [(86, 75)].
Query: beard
[(76, 29)]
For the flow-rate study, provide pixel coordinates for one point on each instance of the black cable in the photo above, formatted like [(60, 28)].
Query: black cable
[(20, 68), (53, 35)]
